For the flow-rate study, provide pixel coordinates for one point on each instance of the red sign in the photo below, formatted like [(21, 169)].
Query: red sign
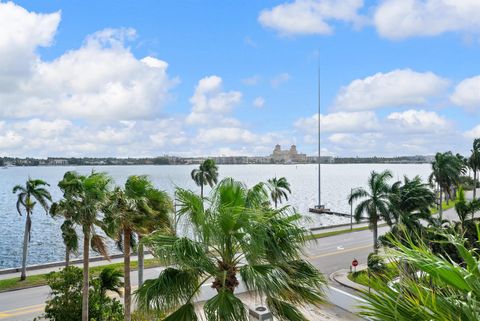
[(354, 262)]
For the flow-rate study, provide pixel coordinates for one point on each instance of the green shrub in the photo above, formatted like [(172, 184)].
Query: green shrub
[(66, 298), (375, 263), (140, 315)]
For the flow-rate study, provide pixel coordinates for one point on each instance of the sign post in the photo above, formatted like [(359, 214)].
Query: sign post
[(354, 264)]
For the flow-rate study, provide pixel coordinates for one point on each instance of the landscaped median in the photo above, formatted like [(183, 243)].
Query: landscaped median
[(40, 279), (370, 277)]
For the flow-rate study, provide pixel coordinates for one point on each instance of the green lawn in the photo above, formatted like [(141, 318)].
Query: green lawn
[(445, 206), (332, 233), (370, 280), (40, 279)]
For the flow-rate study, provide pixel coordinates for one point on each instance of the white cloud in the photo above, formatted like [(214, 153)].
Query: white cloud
[(396, 88), (100, 81), (251, 81), (209, 101), (344, 122), (467, 93), (355, 143), (259, 102), (473, 133), (397, 19), (417, 121), (306, 17), (22, 32), (226, 135), (279, 79)]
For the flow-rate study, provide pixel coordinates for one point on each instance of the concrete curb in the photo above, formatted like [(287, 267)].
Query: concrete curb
[(341, 277)]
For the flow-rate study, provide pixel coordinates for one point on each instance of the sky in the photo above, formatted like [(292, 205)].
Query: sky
[(208, 78)]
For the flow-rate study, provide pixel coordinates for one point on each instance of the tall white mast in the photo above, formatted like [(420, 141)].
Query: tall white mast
[(319, 146)]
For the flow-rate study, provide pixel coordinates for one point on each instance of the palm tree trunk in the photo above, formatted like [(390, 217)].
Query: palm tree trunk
[(201, 191), (67, 256), (440, 209), (275, 203), (140, 261), (475, 184), (86, 254), (375, 237), (126, 261), (26, 238)]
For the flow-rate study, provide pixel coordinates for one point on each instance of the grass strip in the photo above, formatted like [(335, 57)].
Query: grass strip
[(41, 279), (338, 232), (445, 206)]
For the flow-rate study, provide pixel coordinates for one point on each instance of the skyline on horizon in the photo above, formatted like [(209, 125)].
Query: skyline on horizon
[(142, 79)]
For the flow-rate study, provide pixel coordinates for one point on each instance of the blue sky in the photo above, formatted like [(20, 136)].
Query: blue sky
[(146, 78)]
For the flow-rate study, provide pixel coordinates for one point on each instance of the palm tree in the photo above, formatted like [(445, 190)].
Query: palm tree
[(446, 291), (474, 163), (410, 203), (375, 203), (158, 216), (89, 194), (110, 280), (34, 191), (207, 173), (129, 212), (279, 189), (65, 208), (245, 238), (446, 170)]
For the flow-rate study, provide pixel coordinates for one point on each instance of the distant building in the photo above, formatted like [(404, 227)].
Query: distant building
[(287, 156), (57, 161)]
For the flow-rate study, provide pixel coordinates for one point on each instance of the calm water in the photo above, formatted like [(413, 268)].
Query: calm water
[(47, 246)]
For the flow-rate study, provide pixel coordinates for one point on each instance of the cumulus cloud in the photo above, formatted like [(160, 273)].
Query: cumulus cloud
[(209, 102), (345, 122), (473, 133), (305, 17), (417, 121), (100, 81), (259, 102), (22, 32), (397, 19), (467, 93), (396, 88)]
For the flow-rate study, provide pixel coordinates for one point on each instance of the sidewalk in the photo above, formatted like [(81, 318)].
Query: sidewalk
[(100, 261), (341, 277), (58, 266)]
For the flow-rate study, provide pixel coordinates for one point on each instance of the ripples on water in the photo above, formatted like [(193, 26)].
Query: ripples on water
[(47, 245)]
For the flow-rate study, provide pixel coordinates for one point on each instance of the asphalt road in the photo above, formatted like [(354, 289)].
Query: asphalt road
[(328, 254)]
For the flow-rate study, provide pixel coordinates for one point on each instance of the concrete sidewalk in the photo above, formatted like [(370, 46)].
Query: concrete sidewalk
[(58, 266), (100, 261)]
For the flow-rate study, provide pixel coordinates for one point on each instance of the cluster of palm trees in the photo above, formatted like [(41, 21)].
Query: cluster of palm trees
[(222, 222), (239, 236), (91, 205), (437, 259), (404, 204)]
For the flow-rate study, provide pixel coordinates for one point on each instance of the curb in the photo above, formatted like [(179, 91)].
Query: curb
[(341, 277)]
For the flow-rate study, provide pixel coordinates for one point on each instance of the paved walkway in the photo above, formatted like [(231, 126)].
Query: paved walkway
[(34, 270), (38, 269)]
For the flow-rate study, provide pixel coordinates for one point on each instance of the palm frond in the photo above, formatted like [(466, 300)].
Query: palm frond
[(172, 288), (225, 306)]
